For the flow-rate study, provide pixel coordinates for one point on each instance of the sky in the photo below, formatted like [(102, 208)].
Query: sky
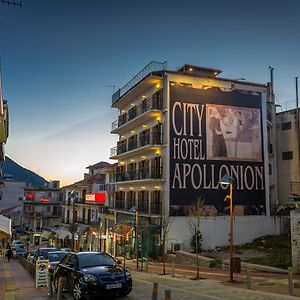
[(62, 59)]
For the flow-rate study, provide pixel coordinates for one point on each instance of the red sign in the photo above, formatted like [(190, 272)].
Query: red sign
[(44, 200), (30, 196), (95, 198)]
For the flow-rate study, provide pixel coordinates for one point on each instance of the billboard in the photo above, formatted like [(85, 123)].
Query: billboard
[(213, 133)]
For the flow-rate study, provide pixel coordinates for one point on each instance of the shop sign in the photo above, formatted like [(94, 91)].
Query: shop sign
[(95, 198), (41, 273)]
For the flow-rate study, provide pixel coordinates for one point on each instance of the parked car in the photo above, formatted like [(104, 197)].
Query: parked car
[(16, 242), (55, 258), (93, 273), (65, 249), (42, 253), (21, 252), (31, 255)]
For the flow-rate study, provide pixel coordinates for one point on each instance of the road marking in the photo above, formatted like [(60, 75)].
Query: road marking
[(10, 291)]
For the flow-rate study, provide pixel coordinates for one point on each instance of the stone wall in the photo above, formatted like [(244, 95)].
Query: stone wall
[(186, 258)]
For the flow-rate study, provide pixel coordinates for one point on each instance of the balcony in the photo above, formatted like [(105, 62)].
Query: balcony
[(137, 174), (152, 67), (135, 143), (141, 112)]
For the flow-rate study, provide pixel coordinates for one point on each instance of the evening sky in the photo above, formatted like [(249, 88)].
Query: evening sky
[(62, 60)]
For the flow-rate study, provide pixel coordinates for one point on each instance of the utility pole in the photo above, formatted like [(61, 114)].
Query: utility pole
[(298, 126)]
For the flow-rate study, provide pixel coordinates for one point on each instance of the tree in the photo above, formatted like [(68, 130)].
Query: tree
[(194, 216), (166, 222)]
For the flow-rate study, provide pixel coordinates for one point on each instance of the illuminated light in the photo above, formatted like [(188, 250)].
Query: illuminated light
[(94, 233), (44, 200), (215, 73), (143, 157), (172, 83), (123, 111), (30, 196), (132, 131), (158, 119), (122, 162), (145, 126), (143, 187), (157, 187), (158, 86), (144, 97), (121, 188), (122, 136), (131, 188), (132, 160), (132, 104), (157, 152), (191, 69)]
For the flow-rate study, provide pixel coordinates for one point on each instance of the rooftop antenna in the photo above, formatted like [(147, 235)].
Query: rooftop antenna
[(12, 3)]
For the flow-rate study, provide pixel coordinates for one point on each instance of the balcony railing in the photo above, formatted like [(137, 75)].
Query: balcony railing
[(132, 144), (137, 174), (153, 66), (154, 103)]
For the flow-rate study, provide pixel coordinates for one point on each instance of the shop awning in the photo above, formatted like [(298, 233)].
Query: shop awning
[(63, 233), (5, 227), (121, 229)]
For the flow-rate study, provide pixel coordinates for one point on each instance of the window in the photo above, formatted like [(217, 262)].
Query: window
[(270, 169), (287, 155), (286, 125)]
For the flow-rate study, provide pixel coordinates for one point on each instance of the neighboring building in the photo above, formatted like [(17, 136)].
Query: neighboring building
[(88, 210), (15, 213), (11, 193), (42, 209), (179, 133), (288, 156)]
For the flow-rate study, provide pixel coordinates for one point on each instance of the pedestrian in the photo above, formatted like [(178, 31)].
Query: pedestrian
[(9, 254)]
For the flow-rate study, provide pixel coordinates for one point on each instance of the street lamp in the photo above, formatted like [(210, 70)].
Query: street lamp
[(227, 180), (134, 209)]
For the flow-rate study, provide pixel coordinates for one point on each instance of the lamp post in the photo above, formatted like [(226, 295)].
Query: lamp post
[(227, 180), (135, 210)]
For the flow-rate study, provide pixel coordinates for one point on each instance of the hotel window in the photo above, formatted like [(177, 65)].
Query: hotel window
[(286, 125), (287, 155)]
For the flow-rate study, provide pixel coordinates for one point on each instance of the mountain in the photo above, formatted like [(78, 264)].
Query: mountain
[(19, 173)]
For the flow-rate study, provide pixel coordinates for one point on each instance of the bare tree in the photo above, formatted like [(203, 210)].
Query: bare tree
[(194, 216), (166, 222)]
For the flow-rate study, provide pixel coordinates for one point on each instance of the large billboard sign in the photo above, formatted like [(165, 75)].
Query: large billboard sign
[(213, 133)]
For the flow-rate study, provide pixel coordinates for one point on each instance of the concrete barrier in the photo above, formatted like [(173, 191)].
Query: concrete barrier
[(29, 267), (186, 258)]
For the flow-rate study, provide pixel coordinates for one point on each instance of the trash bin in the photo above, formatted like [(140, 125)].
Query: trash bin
[(236, 265)]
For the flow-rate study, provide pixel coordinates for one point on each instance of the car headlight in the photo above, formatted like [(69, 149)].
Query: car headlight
[(127, 275), (89, 278)]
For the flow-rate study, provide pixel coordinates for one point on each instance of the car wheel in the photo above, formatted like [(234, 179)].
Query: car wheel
[(77, 293)]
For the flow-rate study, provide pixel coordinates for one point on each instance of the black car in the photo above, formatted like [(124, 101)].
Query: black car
[(90, 274), (54, 259)]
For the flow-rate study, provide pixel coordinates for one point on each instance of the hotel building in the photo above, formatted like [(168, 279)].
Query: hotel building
[(179, 132)]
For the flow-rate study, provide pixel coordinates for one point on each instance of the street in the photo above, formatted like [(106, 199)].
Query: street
[(16, 284)]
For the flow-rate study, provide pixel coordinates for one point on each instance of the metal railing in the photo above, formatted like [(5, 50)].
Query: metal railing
[(137, 174), (154, 103), (153, 66), (132, 144)]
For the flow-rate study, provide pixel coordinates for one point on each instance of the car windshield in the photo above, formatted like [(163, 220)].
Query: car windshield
[(95, 259), (56, 256), (44, 252)]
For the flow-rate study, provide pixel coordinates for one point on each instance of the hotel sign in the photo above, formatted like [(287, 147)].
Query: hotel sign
[(213, 133)]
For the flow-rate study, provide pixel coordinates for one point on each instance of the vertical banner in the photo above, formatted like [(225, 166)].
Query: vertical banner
[(41, 273), (213, 133)]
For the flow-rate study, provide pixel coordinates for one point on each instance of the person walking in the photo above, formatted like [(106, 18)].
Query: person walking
[(9, 253)]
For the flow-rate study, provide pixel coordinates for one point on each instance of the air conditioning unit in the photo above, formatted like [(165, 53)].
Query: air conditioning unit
[(176, 247)]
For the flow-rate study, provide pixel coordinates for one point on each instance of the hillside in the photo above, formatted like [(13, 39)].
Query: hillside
[(20, 173)]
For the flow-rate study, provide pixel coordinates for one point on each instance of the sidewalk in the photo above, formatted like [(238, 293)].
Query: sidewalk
[(273, 283), (17, 284)]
